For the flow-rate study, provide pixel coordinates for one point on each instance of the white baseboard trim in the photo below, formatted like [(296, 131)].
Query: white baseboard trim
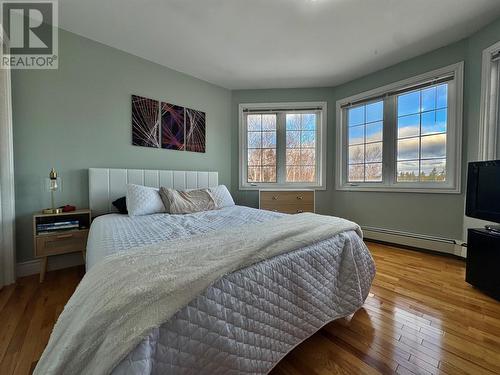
[(462, 250), (434, 243), (32, 267)]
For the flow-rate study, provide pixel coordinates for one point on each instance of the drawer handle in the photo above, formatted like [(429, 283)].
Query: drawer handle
[(64, 236), (299, 211), (300, 197), (275, 197)]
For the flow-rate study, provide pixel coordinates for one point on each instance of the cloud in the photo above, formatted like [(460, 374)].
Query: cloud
[(433, 146)]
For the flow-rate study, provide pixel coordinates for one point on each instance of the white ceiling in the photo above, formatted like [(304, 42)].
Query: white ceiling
[(242, 44)]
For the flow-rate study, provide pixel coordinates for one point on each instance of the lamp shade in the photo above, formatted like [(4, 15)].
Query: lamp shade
[(52, 184)]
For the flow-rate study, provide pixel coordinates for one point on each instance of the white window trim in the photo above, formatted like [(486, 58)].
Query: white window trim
[(7, 203), (454, 149), (488, 121), (320, 148)]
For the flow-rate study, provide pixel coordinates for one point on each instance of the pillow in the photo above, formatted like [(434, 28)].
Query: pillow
[(121, 205), (222, 196), (143, 200), (187, 201)]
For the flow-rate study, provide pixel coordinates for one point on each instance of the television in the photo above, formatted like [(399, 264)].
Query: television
[(483, 190)]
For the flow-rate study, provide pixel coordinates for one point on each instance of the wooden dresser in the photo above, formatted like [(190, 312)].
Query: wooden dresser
[(287, 201)]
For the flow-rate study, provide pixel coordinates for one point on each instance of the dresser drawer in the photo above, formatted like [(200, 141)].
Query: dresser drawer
[(61, 243), (290, 202)]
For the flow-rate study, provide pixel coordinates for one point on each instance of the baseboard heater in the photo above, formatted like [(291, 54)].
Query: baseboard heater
[(420, 241)]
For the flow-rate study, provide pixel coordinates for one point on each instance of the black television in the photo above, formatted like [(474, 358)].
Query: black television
[(483, 190)]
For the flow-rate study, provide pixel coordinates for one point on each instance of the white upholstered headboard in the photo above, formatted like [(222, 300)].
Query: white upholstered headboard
[(106, 185)]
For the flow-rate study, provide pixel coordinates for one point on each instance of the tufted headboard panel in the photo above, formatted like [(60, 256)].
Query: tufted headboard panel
[(106, 184)]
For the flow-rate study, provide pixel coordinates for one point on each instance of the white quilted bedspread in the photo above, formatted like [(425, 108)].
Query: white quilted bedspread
[(113, 233), (248, 320)]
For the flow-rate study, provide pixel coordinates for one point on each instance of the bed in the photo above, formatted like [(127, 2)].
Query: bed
[(245, 321)]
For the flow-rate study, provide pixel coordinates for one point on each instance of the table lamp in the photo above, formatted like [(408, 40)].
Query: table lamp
[(53, 184)]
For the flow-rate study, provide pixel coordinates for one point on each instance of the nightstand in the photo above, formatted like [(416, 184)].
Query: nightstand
[(56, 234)]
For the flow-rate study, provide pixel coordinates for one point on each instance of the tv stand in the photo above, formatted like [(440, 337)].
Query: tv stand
[(492, 228), (483, 260)]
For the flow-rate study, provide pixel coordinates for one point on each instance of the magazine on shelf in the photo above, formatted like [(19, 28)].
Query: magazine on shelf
[(61, 225)]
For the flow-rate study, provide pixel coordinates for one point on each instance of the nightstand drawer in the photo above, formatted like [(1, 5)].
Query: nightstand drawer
[(61, 243), (290, 202)]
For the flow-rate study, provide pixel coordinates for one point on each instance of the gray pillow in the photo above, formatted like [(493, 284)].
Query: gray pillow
[(187, 201)]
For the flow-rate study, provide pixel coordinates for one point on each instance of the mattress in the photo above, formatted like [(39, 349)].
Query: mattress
[(248, 320)]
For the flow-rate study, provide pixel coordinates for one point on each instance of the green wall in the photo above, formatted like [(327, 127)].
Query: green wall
[(433, 214), (78, 117)]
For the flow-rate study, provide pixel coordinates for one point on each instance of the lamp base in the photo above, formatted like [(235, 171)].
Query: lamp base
[(52, 211)]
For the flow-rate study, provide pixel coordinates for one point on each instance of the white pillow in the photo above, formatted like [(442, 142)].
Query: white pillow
[(143, 200), (222, 196)]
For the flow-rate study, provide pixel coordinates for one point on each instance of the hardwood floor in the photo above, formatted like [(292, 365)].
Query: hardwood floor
[(28, 311), (421, 318)]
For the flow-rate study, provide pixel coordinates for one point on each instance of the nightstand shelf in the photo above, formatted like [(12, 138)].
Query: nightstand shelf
[(64, 241)]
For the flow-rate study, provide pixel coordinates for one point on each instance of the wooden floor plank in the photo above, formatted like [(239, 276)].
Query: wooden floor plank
[(5, 294), (421, 317), (10, 317)]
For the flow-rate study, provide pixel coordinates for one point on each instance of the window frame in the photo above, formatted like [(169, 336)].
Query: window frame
[(489, 122), (321, 138), (389, 137)]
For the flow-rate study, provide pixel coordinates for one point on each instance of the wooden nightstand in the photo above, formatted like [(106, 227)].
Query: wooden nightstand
[(60, 241)]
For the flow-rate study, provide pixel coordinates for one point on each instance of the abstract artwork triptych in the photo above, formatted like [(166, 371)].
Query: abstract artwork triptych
[(172, 126), (145, 122), (195, 130), (169, 126)]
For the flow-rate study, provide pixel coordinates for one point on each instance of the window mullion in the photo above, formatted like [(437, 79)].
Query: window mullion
[(496, 113), (390, 145), (280, 148), (344, 154), (452, 159), (318, 151), (244, 146)]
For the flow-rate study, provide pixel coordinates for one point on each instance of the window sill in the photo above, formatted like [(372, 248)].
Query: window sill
[(390, 189), (281, 187)]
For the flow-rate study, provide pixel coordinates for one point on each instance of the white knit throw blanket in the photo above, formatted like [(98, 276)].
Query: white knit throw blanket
[(121, 299)]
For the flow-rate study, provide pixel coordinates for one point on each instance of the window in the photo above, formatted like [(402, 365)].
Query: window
[(301, 147), (403, 137), (421, 134), (365, 123), (282, 145), (489, 124), (261, 148)]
